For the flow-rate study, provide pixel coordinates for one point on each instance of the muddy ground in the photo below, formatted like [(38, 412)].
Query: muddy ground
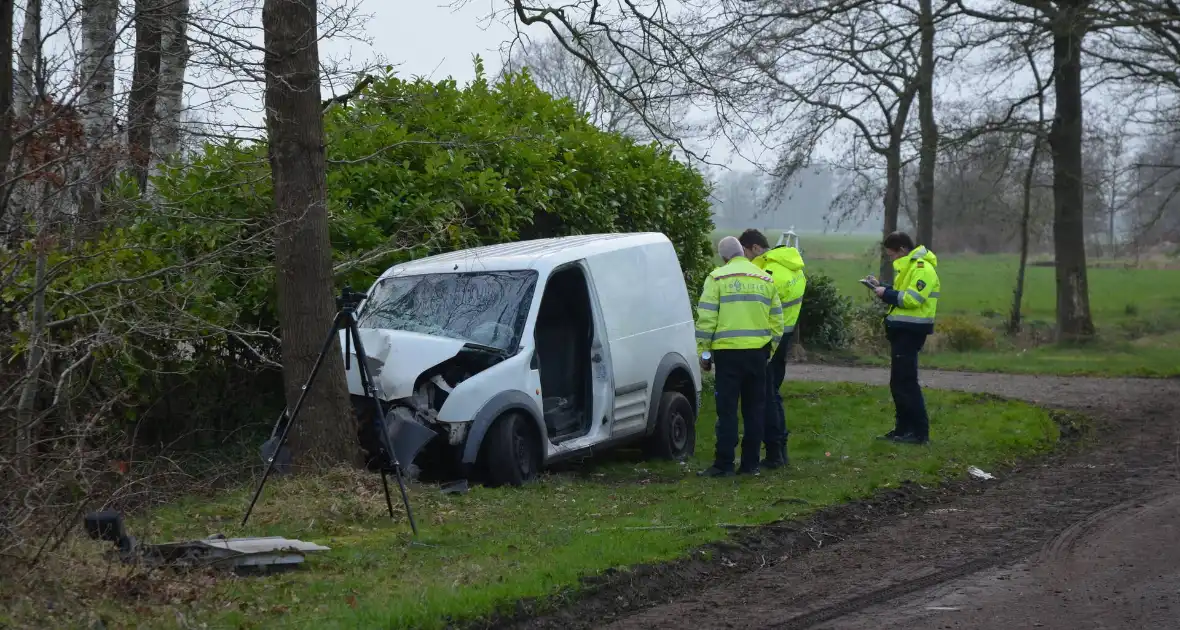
[(1087, 538)]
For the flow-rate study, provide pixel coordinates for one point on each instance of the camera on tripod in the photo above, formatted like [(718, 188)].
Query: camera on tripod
[(395, 442), (349, 299)]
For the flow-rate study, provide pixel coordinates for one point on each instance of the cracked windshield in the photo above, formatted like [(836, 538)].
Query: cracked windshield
[(487, 308)]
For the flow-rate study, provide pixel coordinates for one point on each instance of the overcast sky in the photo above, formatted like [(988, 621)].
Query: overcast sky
[(428, 38)]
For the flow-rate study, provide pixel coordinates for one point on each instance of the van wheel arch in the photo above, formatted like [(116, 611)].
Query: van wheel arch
[(672, 375)]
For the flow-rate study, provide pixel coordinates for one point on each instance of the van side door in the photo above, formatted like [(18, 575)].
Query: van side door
[(620, 280)]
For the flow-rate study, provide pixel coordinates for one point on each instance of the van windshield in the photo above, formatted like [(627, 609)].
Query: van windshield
[(487, 308)]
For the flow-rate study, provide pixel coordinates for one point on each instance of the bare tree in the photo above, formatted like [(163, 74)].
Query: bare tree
[(780, 78), (174, 56), (145, 84), (1015, 320), (1073, 27), (96, 75), (857, 71), (303, 253), (6, 97), (560, 73), (928, 153)]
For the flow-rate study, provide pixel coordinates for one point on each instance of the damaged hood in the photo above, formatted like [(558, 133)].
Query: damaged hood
[(397, 358)]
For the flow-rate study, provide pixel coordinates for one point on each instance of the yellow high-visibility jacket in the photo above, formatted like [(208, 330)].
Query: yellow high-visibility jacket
[(785, 266), (739, 309), (913, 299)]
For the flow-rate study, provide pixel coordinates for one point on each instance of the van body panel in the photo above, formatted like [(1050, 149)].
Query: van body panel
[(647, 274), (473, 394)]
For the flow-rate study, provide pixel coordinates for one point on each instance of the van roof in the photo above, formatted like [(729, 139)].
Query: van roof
[(539, 254)]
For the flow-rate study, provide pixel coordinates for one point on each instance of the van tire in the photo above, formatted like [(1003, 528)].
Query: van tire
[(675, 436), (512, 453)]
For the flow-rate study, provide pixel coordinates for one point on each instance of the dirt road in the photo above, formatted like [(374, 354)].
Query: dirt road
[(1085, 540)]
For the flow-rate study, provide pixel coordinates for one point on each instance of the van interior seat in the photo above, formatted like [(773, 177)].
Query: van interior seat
[(563, 337)]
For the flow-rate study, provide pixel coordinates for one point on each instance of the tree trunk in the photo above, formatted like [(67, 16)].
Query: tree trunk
[(1014, 320), (174, 54), (26, 412), (97, 104), (928, 153), (303, 253), (6, 100), (893, 176), (25, 92), (24, 95), (145, 84), (892, 208), (1065, 139)]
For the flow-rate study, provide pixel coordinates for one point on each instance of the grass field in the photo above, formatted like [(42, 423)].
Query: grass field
[(1136, 310), (482, 551)]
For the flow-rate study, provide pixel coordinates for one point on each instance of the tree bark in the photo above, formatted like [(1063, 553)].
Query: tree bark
[(928, 153), (24, 95), (1065, 140), (6, 99), (145, 84), (303, 253), (1015, 322), (893, 177), (25, 92), (26, 411), (97, 76), (174, 55)]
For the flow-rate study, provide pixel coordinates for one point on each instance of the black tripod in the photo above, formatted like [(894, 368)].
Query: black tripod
[(416, 435)]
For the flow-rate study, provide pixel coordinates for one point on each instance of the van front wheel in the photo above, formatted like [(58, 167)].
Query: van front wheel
[(512, 451), (675, 436)]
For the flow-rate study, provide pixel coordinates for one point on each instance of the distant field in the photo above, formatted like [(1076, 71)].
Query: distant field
[(821, 245), (981, 286), (1137, 311)]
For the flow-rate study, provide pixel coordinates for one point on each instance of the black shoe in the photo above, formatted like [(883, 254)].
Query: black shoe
[(910, 438), (772, 464), (751, 472), (714, 472), (892, 435)]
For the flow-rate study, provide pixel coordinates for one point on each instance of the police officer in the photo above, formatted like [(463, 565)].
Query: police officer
[(784, 265), (739, 326), (913, 303)]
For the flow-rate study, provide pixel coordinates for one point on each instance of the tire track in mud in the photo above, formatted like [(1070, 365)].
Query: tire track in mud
[(851, 605), (893, 547)]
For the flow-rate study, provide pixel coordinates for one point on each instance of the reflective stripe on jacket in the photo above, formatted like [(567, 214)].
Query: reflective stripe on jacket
[(785, 266), (913, 299), (739, 309)]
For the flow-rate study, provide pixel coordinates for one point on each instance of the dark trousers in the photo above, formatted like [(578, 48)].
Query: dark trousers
[(909, 404), (776, 416), (741, 375)]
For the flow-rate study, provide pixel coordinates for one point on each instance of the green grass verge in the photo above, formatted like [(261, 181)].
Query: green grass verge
[(483, 551)]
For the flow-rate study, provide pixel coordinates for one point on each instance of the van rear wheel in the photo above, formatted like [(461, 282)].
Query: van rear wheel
[(675, 436), (512, 452)]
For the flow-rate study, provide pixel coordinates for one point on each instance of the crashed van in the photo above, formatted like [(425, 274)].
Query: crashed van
[(524, 354)]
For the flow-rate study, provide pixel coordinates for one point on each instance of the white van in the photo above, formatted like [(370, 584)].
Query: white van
[(523, 354)]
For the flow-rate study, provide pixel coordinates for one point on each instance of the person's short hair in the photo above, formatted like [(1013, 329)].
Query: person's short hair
[(752, 237), (898, 241), (729, 247)]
